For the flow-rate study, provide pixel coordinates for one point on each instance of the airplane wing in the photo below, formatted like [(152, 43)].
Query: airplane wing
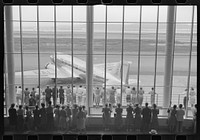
[(109, 66)]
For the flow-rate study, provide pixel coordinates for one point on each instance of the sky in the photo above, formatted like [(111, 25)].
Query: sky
[(132, 13)]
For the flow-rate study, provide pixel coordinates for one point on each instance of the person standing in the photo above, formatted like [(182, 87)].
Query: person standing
[(26, 97), (33, 92), (185, 99), (195, 118), (118, 92), (146, 117), (152, 93), (180, 113), (43, 113), (118, 117), (74, 93), (55, 95), (84, 96), (37, 96), (134, 96), (154, 118), (138, 118), (129, 117), (74, 119), (192, 97), (106, 117), (50, 119), (85, 119), (79, 94), (19, 95), (97, 96), (20, 118), (80, 120), (69, 113), (48, 92), (57, 116), (112, 96), (63, 116), (69, 95), (172, 119), (36, 114), (32, 101), (128, 95), (12, 117), (28, 118), (61, 95), (140, 96)]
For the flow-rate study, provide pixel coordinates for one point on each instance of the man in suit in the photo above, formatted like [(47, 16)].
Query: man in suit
[(146, 113)]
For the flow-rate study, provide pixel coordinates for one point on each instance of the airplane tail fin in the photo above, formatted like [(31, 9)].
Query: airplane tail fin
[(116, 71)]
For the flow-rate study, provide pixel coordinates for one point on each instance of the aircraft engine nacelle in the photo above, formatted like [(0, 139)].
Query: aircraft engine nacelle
[(49, 66)]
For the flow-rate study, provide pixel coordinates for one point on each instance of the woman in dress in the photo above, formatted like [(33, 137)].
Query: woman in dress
[(12, 117), (134, 96), (154, 119), (57, 116), (128, 95), (138, 118), (118, 117), (80, 120), (129, 117), (192, 97), (172, 119), (43, 121), (97, 96), (26, 98), (106, 117), (62, 121), (20, 118), (140, 96)]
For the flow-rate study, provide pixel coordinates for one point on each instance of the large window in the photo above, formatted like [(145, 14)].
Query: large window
[(128, 50)]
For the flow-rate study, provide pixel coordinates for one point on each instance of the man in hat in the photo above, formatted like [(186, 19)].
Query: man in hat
[(55, 95)]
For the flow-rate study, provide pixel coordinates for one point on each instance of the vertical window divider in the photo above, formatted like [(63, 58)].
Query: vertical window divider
[(189, 69), (38, 43), (138, 76), (55, 58), (72, 51), (106, 31), (122, 53), (156, 51), (5, 86), (21, 47), (174, 45)]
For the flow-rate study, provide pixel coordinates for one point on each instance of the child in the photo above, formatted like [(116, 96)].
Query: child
[(179, 115)]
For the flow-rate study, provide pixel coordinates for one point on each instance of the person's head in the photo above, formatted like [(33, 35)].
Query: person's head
[(47, 86), (109, 105), (80, 86), (37, 86), (174, 107), (68, 86), (118, 105), (128, 86), (133, 88), (26, 89), (106, 105), (15, 86), (43, 105), (186, 89), (26, 107), (63, 107), (136, 105), (154, 106), (152, 88), (141, 88), (20, 106), (195, 106), (180, 106), (36, 106), (112, 87), (33, 88), (192, 88), (31, 96), (12, 105), (61, 86), (19, 86), (67, 106), (146, 104), (49, 103), (97, 87), (80, 108), (83, 107), (57, 106)]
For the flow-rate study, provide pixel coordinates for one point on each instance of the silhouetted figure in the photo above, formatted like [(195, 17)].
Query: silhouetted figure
[(62, 121), (20, 118), (12, 117), (154, 118), (180, 113), (26, 96), (61, 95), (106, 117), (43, 113), (50, 119), (129, 117), (54, 95), (74, 119), (48, 92), (118, 117), (80, 120), (57, 116), (28, 119), (172, 119), (146, 118), (36, 114), (69, 113), (138, 118)]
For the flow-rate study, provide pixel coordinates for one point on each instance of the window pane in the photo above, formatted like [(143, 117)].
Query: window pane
[(63, 13), (132, 14), (99, 13), (115, 13), (79, 13), (29, 13), (46, 13)]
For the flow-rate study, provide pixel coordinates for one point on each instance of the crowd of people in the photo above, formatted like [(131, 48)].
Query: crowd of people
[(64, 118)]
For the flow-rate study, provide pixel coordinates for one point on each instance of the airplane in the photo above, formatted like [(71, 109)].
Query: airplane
[(64, 71)]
